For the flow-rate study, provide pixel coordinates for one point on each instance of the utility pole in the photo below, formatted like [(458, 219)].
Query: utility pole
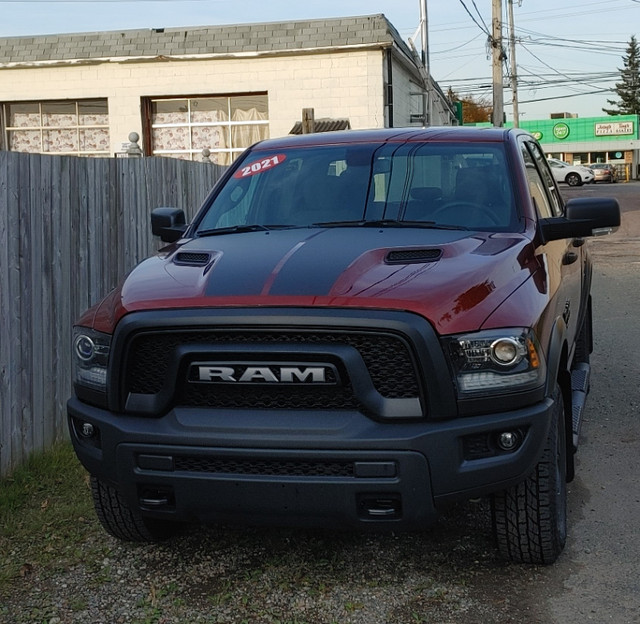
[(424, 32), (497, 56), (514, 67)]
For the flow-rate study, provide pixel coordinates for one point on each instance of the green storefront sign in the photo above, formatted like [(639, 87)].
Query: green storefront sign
[(561, 131), (609, 130)]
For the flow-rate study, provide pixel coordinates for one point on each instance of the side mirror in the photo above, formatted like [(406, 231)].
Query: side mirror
[(168, 223), (584, 216)]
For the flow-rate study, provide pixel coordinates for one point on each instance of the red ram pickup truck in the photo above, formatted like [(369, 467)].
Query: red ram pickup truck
[(356, 330)]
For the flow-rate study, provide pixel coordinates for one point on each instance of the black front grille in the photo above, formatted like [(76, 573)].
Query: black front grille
[(387, 358), (267, 397), (265, 467)]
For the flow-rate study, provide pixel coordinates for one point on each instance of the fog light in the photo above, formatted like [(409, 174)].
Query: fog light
[(87, 430), (508, 440)]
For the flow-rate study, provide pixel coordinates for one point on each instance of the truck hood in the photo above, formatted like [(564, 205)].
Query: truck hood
[(455, 279)]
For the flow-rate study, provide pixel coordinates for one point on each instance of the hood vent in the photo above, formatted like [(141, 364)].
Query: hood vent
[(413, 256), (192, 258)]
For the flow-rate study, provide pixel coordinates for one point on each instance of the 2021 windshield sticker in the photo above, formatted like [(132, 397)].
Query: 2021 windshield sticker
[(258, 166)]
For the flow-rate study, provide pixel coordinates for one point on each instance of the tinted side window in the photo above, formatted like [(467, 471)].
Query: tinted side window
[(543, 167), (537, 186)]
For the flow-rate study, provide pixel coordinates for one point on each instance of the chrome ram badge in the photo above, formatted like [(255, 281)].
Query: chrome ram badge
[(263, 373)]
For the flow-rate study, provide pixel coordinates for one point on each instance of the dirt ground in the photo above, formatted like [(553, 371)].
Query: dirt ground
[(448, 575)]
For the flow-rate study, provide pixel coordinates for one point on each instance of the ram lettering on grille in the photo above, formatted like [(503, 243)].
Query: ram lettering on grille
[(216, 373)]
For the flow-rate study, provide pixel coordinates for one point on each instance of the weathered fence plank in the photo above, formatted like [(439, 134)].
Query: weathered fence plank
[(70, 229), (5, 319)]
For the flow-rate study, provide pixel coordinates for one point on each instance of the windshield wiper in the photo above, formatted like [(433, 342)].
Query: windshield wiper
[(390, 223), (237, 229)]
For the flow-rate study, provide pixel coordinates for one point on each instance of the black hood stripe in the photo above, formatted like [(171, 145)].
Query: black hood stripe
[(299, 262)]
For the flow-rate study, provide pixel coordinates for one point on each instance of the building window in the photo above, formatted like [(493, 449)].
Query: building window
[(77, 128), (225, 125)]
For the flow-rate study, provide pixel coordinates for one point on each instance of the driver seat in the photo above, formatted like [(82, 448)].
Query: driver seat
[(477, 185), (485, 187)]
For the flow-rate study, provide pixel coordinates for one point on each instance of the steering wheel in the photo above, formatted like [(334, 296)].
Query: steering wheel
[(468, 210)]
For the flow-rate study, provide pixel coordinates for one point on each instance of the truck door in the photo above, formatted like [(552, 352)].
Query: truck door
[(564, 259)]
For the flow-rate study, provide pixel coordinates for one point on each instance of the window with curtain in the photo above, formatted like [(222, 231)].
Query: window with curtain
[(65, 127), (225, 125)]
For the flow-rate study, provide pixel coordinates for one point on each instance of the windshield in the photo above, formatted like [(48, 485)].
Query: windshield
[(462, 185)]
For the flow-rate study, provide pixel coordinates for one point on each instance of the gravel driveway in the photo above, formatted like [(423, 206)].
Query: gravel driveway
[(448, 575), (231, 575)]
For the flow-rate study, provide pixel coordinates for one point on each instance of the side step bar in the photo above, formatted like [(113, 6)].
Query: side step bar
[(580, 377)]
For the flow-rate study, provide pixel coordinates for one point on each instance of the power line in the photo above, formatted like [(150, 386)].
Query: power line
[(564, 97), (482, 27), (99, 1), (594, 46), (547, 15), (475, 6), (581, 7), (462, 45), (545, 64), (556, 38), (603, 47), (533, 80)]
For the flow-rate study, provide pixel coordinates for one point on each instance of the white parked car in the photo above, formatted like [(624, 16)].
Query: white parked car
[(573, 175)]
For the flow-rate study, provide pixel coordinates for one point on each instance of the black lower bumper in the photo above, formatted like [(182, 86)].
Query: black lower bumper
[(330, 469)]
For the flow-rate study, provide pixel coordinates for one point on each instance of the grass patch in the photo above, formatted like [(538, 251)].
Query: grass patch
[(46, 515)]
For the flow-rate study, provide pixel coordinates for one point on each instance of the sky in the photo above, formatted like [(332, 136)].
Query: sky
[(568, 52)]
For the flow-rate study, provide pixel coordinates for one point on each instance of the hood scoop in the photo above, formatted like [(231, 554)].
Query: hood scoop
[(192, 258), (413, 256)]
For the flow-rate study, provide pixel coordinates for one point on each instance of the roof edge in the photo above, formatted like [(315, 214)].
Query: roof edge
[(177, 29), (193, 57)]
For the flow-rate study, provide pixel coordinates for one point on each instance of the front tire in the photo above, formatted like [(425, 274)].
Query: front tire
[(573, 179), (124, 523), (530, 518)]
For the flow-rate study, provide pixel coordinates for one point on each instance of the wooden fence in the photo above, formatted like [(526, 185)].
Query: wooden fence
[(70, 229)]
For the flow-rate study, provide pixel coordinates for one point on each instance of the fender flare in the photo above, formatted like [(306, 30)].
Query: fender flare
[(557, 373), (554, 356)]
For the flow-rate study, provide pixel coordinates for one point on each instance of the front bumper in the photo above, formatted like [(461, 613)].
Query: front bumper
[(330, 469)]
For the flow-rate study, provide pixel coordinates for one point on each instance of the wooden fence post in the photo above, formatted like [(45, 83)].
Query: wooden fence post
[(308, 121)]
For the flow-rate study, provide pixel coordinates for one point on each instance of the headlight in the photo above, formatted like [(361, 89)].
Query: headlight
[(495, 361), (90, 358)]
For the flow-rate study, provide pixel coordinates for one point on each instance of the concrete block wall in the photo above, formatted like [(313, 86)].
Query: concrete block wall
[(405, 100), (337, 85)]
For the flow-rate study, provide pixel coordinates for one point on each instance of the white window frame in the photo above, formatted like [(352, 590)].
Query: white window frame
[(41, 128), (228, 125)]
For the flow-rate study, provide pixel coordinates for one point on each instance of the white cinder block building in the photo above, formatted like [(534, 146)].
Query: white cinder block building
[(219, 88)]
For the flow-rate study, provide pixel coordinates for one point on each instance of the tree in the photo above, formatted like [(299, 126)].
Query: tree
[(628, 89), (474, 110)]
